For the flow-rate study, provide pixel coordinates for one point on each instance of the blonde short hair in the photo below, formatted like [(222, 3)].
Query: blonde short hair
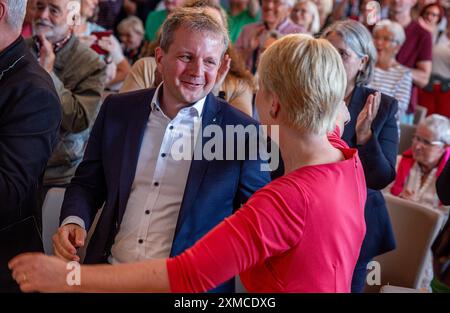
[(131, 23), (308, 77)]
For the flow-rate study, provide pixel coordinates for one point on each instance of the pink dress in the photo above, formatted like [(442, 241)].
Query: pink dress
[(300, 233)]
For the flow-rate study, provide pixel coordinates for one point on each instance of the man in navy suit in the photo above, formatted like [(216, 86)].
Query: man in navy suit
[(156, 204)]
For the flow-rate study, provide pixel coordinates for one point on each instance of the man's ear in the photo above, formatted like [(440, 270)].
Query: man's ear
[(159, 55), (2, 11)]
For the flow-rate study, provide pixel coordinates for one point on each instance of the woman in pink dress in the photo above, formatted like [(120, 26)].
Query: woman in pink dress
[(301, 233)]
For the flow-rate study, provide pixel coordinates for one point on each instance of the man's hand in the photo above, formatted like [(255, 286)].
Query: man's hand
[(366, 117), (46, 55), (66, 241), (38, 272)]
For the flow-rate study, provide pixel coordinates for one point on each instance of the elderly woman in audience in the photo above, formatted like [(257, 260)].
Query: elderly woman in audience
[(131, 34), (106, 44), (421, 165), (390, 77), (305, 14), (285, 223), (436, 95), (373, 131), (236, 86)]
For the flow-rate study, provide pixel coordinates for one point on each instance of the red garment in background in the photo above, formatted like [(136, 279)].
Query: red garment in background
[(417, 47), (301, 233), (436, 101)]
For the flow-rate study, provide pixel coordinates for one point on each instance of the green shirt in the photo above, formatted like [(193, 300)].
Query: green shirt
[(237, 22), (153, 22)]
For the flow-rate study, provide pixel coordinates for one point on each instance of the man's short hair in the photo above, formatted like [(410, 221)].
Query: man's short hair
[(308, 77), (15, 13), (192, 19)]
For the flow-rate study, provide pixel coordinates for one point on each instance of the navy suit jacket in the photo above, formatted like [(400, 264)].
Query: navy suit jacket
[(214, 189), (378, 157)]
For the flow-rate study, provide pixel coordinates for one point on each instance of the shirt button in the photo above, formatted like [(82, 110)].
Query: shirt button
[(147, 212), (163, 155), (140, 241), (170, 127), (156, 184)]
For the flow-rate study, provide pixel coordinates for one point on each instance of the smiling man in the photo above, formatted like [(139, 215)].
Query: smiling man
[(78, 75), (156, 205)]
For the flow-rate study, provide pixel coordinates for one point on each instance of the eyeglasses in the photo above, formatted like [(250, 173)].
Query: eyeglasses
[(432, 14), (427, 142), (385, 39)]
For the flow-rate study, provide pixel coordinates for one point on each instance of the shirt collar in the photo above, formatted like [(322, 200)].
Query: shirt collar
[(196, 108)]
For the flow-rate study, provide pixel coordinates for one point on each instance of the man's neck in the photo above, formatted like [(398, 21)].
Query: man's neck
[(8, 38), (169, 106), (403, 18)]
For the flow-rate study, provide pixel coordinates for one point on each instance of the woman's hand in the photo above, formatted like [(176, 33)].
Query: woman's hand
[(39, 272), (366, 117)]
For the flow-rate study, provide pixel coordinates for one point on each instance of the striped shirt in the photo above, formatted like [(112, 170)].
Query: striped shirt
[(395, 82)]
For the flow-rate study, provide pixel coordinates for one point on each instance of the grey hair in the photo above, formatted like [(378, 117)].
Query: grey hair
[(16, 13), (358, 38), (195, 20), (289, 3), (440, 127), (395, 28)]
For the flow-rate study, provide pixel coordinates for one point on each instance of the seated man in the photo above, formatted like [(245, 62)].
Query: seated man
[(30, 115), (156, 204), (78, 75)]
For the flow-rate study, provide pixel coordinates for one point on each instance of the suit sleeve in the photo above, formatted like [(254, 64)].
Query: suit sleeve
[(87, 191), (28, 131), (443, 185), (379, 154), (255, 174)]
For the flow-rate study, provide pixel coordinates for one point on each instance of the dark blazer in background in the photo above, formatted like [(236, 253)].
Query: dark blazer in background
[(214, 189), (378, 157), (30, 115)]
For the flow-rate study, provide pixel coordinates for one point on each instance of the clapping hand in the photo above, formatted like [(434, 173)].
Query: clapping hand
[(366, 117)]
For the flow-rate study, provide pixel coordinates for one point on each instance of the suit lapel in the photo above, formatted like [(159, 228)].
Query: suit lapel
[(197, 170), (132, 145)]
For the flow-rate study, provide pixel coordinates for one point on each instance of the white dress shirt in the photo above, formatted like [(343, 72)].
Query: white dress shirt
[(148, 225)]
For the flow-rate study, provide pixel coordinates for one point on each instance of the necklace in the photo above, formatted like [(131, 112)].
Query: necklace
[(11, 66)]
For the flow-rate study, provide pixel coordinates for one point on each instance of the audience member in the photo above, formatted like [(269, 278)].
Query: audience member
[(131, 34), (390, 77), (373, 131), (436, 95), (241, 13), (106, 44), (305, 14), (431, 17), (156, 18), (325, 7), (30, 115), (421, 165), (415, 52), (78, 75), (275, 15)]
